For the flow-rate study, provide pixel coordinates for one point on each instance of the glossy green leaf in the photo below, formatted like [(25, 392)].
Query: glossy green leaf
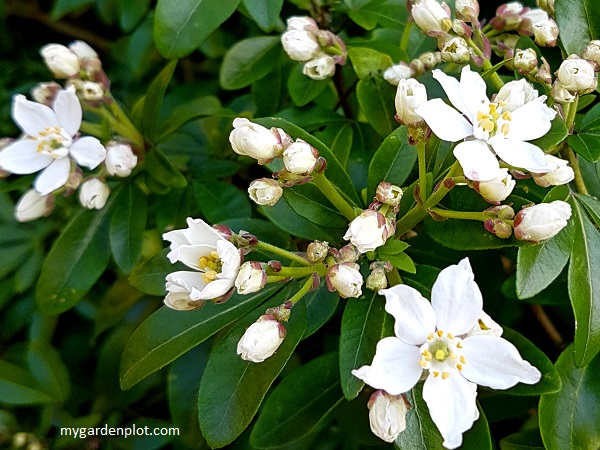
[(569, 418), (162, 170), (184, 113), (376, 99), (584, 285), (19, 387), (523, 440), (302, 403), (149, 277), (557, 133), (387, 13), (368, 62), (591, 205), (248, 61), (320, 307), (167, 334), (154, 100), (264, 12), (304, 89), (49, 370), (364, 324), (64, 7), (578, 23), (131, 13), (180, 27), (232, 389), (313, 211), (587, 140), (220, 201)]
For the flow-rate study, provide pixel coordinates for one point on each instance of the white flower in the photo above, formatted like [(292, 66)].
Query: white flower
[(300, 45), (320, 68), (577, 75), (466, 10), (83, 50), (120, 159), (215, 260), (388, 193), (300, 157), (542, 221), (261, 339), (545, 33), (49, 143), (431, 17), (45, 93), (435, 337), (398, 72), (561, 175), (455, 49), (488, 125), (93, 194), (32, 206), (301, 23), (89, 91), (525, 61), (409, 96), (346, 279), (265, 191), (516, 94), (256, 141), (61, 61), (497, 189), (251, 278), (387, 415), (369, 231)]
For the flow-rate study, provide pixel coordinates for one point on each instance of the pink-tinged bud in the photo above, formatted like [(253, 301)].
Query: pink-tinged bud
[(497, 189), (254, 140), (508, 16), (320, 68), (348, 253), (120, 159), (592, 54), (387, 415), (300, 45), (261, 340), (245, 240), (454, 50), (300, 158), (409, 96), (369, 231), (525, 60), (498, 227), (88, 91), (502, 211), (45, 93), (317, 251), (545, 33), (32, 206), (467, 10), (577, 75), (430, 60), (461, 28), (61, 61), (546, 5), (224, 231), (401, 71), (93, 193), (530, 18), (275, 265), (346, 279), (301, 23), (561, 175), (282, 312), (544, 73), (542, 221), (251, 278), (265, 191), (431, 17), (376, 281), (388, 193)]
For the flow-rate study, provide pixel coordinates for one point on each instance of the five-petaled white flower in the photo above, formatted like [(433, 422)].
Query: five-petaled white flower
[(215, 260), (438, 337), (50, 142), (490, 128)]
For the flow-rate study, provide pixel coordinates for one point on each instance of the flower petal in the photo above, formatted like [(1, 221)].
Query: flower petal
[(184, 281), (472, 91), (451, 87), (230, 258), (456, 299), (494, 362), (477, 161), (212, 290), (177, 239), (395, 367), (191, 254), (414, 315), (446, 122), (68, 110), (452, 406), (88, 152), (53, 177), (522, 155), (21, 157), (199, 232), (32, 117), (530, 121)]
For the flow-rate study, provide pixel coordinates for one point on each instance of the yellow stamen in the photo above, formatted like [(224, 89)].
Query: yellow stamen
[(422, 363), (463, 359), (450, 336), (214, 254), (430, 336), (459, 367), (504, 129), (203, 263), (440, 333), (445, 375), (435, 374), (458, 345)]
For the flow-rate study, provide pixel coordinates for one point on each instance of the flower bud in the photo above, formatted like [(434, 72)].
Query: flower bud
[(376, 281), (577, 75), (508, 16), (301, 23), (300, 45), (542, 221), (430, 60), (369, 231), (592, 53), (251, 278), (261, 340), (346, 279), (525, 60), (562, 95), (545, 33), (497, 189), (502, 211), (83, 50), (61, 61), (561, 175), (88, 91), (387, 415), (398, 72), (498, 227), (45, 93), (93, 193), (320, 68), (254, 140), (388, 193), (348, 253), (409, 96), (32, 206), (431, 17), (265, 191), (515, 94), (300, 158), (180, 301), (317, 251), (530, 18), (455, 50), (546, 5), (466, 10), (120, 159)]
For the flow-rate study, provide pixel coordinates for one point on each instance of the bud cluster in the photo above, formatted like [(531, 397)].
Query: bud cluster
[(526, 21)]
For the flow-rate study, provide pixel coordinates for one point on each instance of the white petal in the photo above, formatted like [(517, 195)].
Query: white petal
[(22, 157), (494, 362), (452, 406), (522, 155), (213, 290), (477, 160), (414, 315), (395, 367), (451, 87), (32, 117), (88, 152), (53, 177), (184, 281), (191, 254), (68, 110), (230, 257), (456, 299), (472, 90), (530, 121), (199, 232), (446, 122)]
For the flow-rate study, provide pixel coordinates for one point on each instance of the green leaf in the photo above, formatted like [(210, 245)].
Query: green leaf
[(302, 403), (248, 61), (557, 133), (591, 205), (587, 140), (304, 89), (19, 387), (232, 389), (220, 201), (315, 212), (180, 27), (320, 306), (569, 418), (167, 334), (393, 161), (154, 99), (185, 112), (364, 324), (162, 170), (387, 13), (584, 285), (64, 7), (149, 277), (368, 63), (127, 226), (75, 262), (578, 22), (376, 99), (131, 13), (523, 440), (264, 12), (48, 369)]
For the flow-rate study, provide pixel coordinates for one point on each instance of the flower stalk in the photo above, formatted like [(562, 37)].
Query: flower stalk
[(422, 170), (334, 196), (464, 215), (305, 289), (283, 253)]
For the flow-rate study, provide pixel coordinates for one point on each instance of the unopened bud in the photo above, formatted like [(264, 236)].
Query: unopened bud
[(346, 279), (282, 312), (45, 93), (254, 140), (562, 95), (502, 211), (546, 5), (498, 227), (245, 240), (348, 253), (93, 193), (387, 415), (497, 189), (466, 10), (261, 340), (542, 221), (561, 175), (369, 231), (431, 17), (32, 206), (394, 74), (525, 60), (430, 60), (61, 61), (300, 158), (120, 159), (265, 191), (388, 193), (577, 75), (409, 96), (376, 281), (320, 68), (317, 251), (592, 54), (545, 33), (251, 278)]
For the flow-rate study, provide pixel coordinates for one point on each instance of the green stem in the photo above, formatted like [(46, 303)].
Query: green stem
[(422, 171), (305, 289), (275, 279), (465, 215), (281, 252), (406, 36), (571, 112), (569, 154), (334, 196), (487, 65), (299, 272)]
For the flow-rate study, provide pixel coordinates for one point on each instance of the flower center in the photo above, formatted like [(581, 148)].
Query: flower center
[(442, 354), (54, 141), (212, 265), (495, 120)]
